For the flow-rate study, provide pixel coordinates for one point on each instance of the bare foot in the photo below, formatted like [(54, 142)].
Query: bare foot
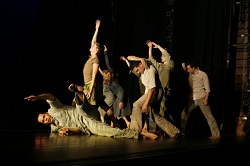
[(148, 134)]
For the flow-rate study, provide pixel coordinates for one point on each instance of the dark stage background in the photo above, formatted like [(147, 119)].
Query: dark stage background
[(44, 45)]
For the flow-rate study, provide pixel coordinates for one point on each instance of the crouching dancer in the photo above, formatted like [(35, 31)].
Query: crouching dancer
[(65, 119)]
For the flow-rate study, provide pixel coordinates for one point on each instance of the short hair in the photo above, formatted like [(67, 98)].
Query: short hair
[(192, 63), (134, 64)]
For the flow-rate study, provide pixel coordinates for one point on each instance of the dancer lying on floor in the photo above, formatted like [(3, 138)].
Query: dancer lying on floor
[(65, 119)]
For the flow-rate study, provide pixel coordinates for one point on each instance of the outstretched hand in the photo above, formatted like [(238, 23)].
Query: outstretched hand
[(155, 45), (71, 87), (97, 24), (75, 88), (122, 58), (149, 43), (105, 48), (31, 98)]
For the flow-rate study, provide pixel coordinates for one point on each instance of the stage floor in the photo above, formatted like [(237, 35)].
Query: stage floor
[(43, 148)]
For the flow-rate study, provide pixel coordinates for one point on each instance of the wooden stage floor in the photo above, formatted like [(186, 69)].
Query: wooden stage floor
[(43, 148)]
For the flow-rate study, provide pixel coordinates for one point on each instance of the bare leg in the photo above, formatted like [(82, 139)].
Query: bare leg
[(102, 119)]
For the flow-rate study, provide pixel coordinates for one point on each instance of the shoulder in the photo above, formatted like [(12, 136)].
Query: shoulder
[(152, 68), (202, 73), (55, 103), (95, 60)]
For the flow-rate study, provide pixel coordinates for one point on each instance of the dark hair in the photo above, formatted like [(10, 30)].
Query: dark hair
[(134, 64), (192, 63)]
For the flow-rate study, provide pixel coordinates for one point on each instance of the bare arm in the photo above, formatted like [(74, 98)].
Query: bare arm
[(163, 51), (146, 103), (100, 70), (94, 73), (125, 59), (184, 67), (46, 96), (97, 25), (150, 46), (135, 58), (158, 46)]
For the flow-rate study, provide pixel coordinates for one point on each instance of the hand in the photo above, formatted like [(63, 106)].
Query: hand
[(123, 58), (155, 45), (63, 131), (31, 98), (205, 102), (145, 108), (121, 105), (88, 95), (105, 48), (75, 88), (71, 87), (97, 24), (149, 43)]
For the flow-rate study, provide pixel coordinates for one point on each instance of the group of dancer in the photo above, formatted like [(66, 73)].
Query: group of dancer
[(97, 99)]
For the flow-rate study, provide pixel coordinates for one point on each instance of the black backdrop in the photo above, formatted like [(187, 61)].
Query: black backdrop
[(44, 45)]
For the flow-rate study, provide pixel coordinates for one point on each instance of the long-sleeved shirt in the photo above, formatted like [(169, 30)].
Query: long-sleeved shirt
[(200, 84)]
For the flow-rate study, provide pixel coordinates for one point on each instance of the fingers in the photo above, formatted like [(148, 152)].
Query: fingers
[(71, 87), (30, 98), (63, 131)]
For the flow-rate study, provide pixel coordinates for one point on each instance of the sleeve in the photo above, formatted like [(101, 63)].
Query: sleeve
[(57, 103), (107, 61), (54, 129), (95, 60), (155, 63), (166, 54), (206, 83), (120, 94)]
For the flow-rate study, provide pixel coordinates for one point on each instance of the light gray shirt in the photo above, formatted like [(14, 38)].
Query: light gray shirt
[(200, 84), (68, 116)]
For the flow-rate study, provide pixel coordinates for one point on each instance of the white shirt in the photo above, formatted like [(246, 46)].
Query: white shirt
[(148, 78)]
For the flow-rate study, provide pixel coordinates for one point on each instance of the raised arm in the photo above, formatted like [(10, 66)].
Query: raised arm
[(107, 59), (135, 58), (46, 96), (125, 59), (97, 25), (150, 46), (163, 51)]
